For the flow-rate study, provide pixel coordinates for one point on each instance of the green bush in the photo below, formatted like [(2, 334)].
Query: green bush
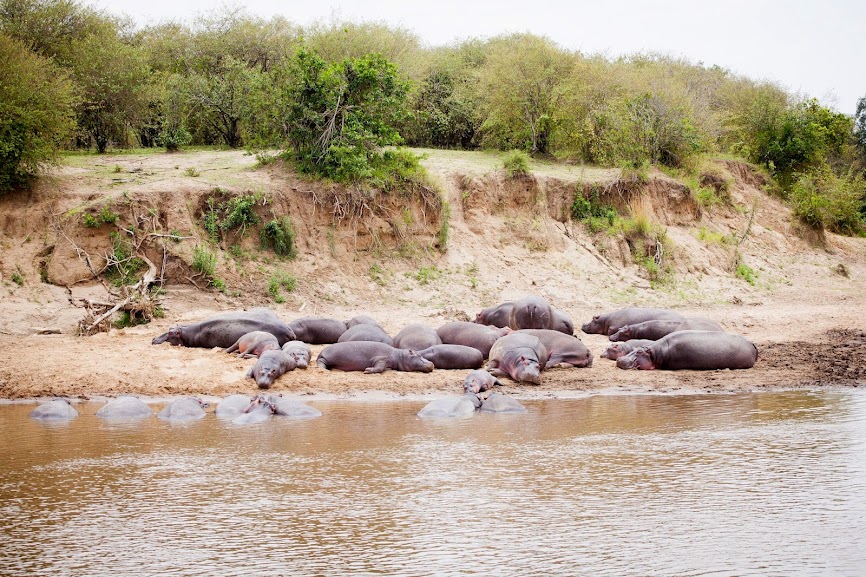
[(591, 210), (279, 234), (746, 273), (280, 280), (204, 261), (822, 199), (516, 163), (173, 137), (240, 212)]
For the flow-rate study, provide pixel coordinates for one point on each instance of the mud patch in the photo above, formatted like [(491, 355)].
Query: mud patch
[(840, 359)]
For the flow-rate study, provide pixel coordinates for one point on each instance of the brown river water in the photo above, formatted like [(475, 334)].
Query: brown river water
[(745, 484)]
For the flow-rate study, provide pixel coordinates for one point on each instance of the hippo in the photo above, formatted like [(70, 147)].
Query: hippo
[(125, 407), (609, 323), (562, 322), (496, 403), (479, 381), (259, 410), (451, 407), (519, 356), (696, 350), (318, 331), (563, 350), (366, 332), (531, 312), (654, 330), (497, 316), (362, 320), (186, 409), (224, 329), (416, 336), (617, 350), (300, 352), (453, 356), (270, 367), (232, 406), (54, 410), (370, 357), (292, 409), (479, 337), (254, 344)]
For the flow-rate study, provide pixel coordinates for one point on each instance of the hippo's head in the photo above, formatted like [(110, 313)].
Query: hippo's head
[(299, 357), (637, 359), (623, 334), (412, 361), (592, 327), (614, 351), (260, 402), (527, 370), (173, 336), (481, 318), (265, 372), (478, 381)]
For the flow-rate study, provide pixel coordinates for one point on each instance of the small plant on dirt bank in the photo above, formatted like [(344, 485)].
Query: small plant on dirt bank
[(426, 274), (18, 278), (378, 274), (239, 212), (444, 228), (746, 273), (123, 267), (279, 234), (280, 280), (596, 215), (516, 163), (204, 261), (192, 172)]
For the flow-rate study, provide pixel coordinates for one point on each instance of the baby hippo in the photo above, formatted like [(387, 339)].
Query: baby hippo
[(617, 350), (371, 357), (253, 344), (479, 381), (270, 367), (696, 350), (300, 352)]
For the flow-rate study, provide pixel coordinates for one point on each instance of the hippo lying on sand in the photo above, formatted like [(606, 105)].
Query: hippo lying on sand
[(225, 329), (416, 337), (452, 356), (479, 381), (609, 323), (479, 337), (317, 330), (654, 330), (54, 410), (371, 357), (532, 312), (500, 315), (563, 350), (270, 367), (519, 356), (617, 350), (254, 344), (300, 352), (366, 332), (697, 350)]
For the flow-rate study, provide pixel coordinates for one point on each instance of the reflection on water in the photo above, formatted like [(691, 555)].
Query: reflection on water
[(753, 484)]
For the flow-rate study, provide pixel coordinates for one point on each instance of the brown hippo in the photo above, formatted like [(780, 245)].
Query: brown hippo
[(654, 330), (479, 381), (371, 357), (617, 350), (609, 323), (416, 336), (300, 352), (519, 356), (318, 331), (562, 322), (532, 312), (366, 332), (224, 329), (453, 356), (361, 320), (697, 350), (479, 337), (563, 350), (254, 344), (270, 367), (497, 315)]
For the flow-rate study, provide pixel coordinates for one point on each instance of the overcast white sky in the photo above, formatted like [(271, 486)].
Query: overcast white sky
[(816, 48)]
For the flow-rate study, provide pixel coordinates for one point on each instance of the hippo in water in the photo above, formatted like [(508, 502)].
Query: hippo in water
[(617, 350), (318, 331), (300, 352), (371, 357), (497, 403), (654, 330), (292, 409), (563, 350), (696, 350), (125, 407), (609, 323), (479, 381), (223, 330), (259, 410), (451, 407), (519, 356), (54, 410), (532, 312), (270, 367), (254, 344), (453, 356), (186, 409), (366, 332), (416, 336), (232, 406), (479, 337)]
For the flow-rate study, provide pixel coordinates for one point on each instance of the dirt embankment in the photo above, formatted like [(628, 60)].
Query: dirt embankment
[(361, 251)]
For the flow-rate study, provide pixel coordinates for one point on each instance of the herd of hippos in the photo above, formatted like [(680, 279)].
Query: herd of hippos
[(518, 339)]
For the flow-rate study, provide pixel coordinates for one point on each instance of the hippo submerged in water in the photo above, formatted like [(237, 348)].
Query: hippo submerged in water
[(125, 407), (54, 410), (186, 409), (696, 350)]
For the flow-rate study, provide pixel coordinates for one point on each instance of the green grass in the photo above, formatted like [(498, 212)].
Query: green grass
[(278, 281), (746, 273), (713, 237), (279, 234), (204, 261), (516, 163)]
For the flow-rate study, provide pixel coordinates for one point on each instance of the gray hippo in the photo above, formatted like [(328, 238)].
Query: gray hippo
[(696, 350), (270, 367), (519, 356), (416, 336), (479, 337), (609, 323), (362, 320), (54, 410), (479, 381), (497, 316), (453, 356), (232, 406), (292, 409), (563, 350), (451, 407), (254, 344), (496, 403), (617, 350), (531, 312), (370, 357), (125, 407), (654, 330), (259, 410), (224, 329), (562, 322), (186, 409), (300, 352), (366, 332), (317, 330)]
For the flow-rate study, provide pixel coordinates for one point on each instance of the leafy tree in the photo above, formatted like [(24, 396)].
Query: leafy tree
[(36, 112), (860, 124)]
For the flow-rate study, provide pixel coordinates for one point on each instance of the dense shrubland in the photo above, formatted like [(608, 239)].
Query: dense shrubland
[(335, 97)]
